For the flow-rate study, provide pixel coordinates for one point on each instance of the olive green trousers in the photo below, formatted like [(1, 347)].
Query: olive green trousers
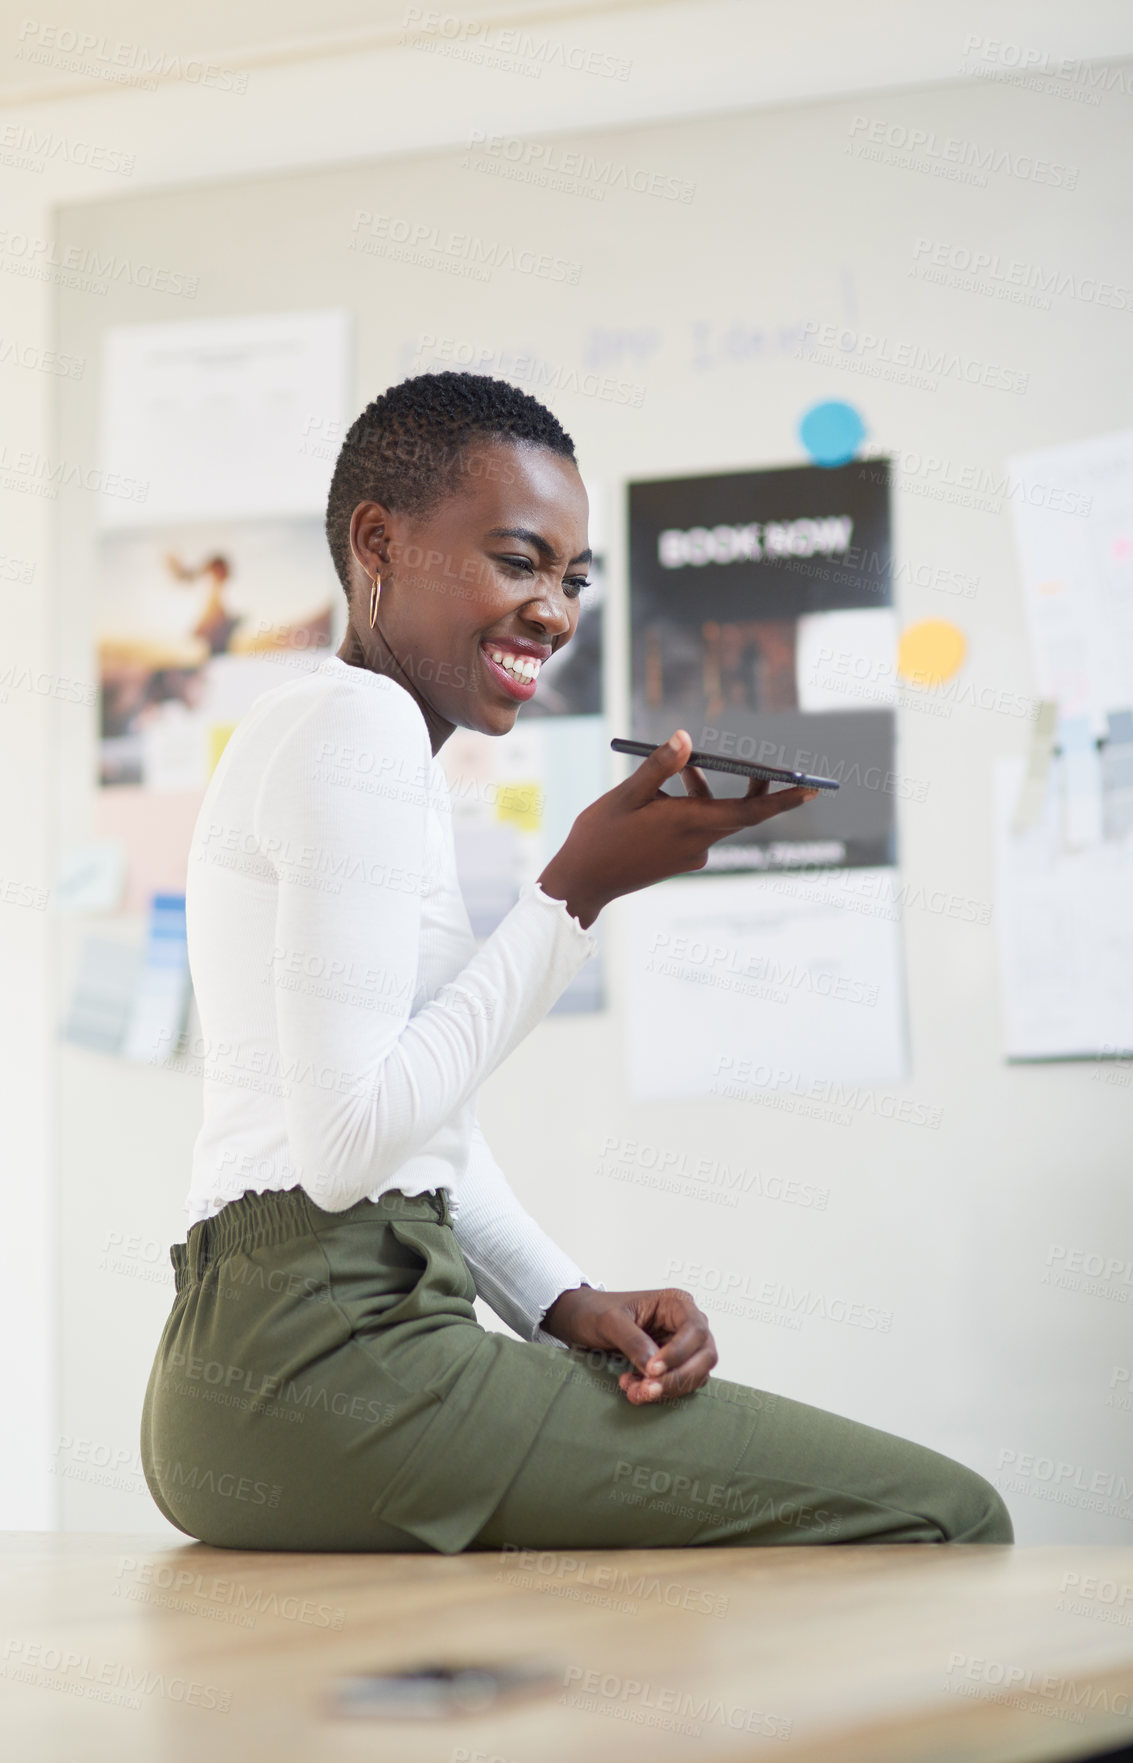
[(322, 1383)]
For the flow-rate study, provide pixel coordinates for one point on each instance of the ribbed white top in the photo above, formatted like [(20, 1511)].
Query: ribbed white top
[(347, 1013)]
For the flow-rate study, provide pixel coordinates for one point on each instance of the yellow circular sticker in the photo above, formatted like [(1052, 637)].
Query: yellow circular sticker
[(930, 652)]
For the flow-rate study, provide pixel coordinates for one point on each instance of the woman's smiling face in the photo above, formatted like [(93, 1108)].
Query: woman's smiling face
[(475, 592)]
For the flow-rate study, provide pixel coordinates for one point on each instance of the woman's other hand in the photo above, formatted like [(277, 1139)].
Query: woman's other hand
[(663, 1334)]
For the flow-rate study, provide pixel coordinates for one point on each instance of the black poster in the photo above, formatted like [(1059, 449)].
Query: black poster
[(734, 581)]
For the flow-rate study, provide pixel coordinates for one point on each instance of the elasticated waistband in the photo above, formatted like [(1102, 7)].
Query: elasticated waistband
[(257, 1221)]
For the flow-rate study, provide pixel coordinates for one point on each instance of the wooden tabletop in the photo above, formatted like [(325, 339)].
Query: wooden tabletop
[(114, 1648)]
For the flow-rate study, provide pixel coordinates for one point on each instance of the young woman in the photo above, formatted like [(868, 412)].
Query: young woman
[(322, 1382)]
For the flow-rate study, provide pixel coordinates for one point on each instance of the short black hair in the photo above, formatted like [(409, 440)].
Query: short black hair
[(407, 447)]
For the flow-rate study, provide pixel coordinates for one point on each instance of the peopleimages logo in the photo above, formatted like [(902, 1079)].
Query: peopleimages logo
[(754, 543), (1014, 278), (923, 149), (83, 267), (460, 253)]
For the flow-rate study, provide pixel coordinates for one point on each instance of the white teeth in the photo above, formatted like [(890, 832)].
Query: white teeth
[(524, 667)]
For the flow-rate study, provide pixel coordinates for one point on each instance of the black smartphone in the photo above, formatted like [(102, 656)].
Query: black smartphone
[(434, 1692), (741, 767)]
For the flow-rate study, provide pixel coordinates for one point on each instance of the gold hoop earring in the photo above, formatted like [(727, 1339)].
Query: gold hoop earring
[(375, 596)]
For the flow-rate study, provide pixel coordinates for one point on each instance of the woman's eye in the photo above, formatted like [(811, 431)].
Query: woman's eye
[(573, 584)]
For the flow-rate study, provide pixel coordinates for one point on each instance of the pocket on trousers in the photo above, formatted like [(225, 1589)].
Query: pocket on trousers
[(456, 1474), (444, 1274)]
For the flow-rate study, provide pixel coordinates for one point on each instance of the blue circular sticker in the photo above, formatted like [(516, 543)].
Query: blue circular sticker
[(832, 432)]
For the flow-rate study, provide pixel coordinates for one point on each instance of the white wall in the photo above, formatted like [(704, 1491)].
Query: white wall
[(27, 1242), (949, 1230)]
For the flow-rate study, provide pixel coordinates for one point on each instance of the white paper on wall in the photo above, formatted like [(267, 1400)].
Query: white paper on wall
[(771, 983), (1064, 845), (237, 417), (102, 996), (847, 660), (161, 998), (1073, 510), (90, 876), (1065, 927)]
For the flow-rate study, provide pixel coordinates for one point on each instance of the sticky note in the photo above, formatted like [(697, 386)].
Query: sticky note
[(521, 804), (930, 652), (832, 432)]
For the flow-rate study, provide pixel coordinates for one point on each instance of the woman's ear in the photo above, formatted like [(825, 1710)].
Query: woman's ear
[(369, 539)]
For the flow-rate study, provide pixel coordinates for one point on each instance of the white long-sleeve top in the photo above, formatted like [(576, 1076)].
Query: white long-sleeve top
[(347, 1014)]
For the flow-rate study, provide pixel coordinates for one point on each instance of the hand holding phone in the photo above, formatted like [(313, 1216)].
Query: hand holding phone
[(638, 834), (740, 767)]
